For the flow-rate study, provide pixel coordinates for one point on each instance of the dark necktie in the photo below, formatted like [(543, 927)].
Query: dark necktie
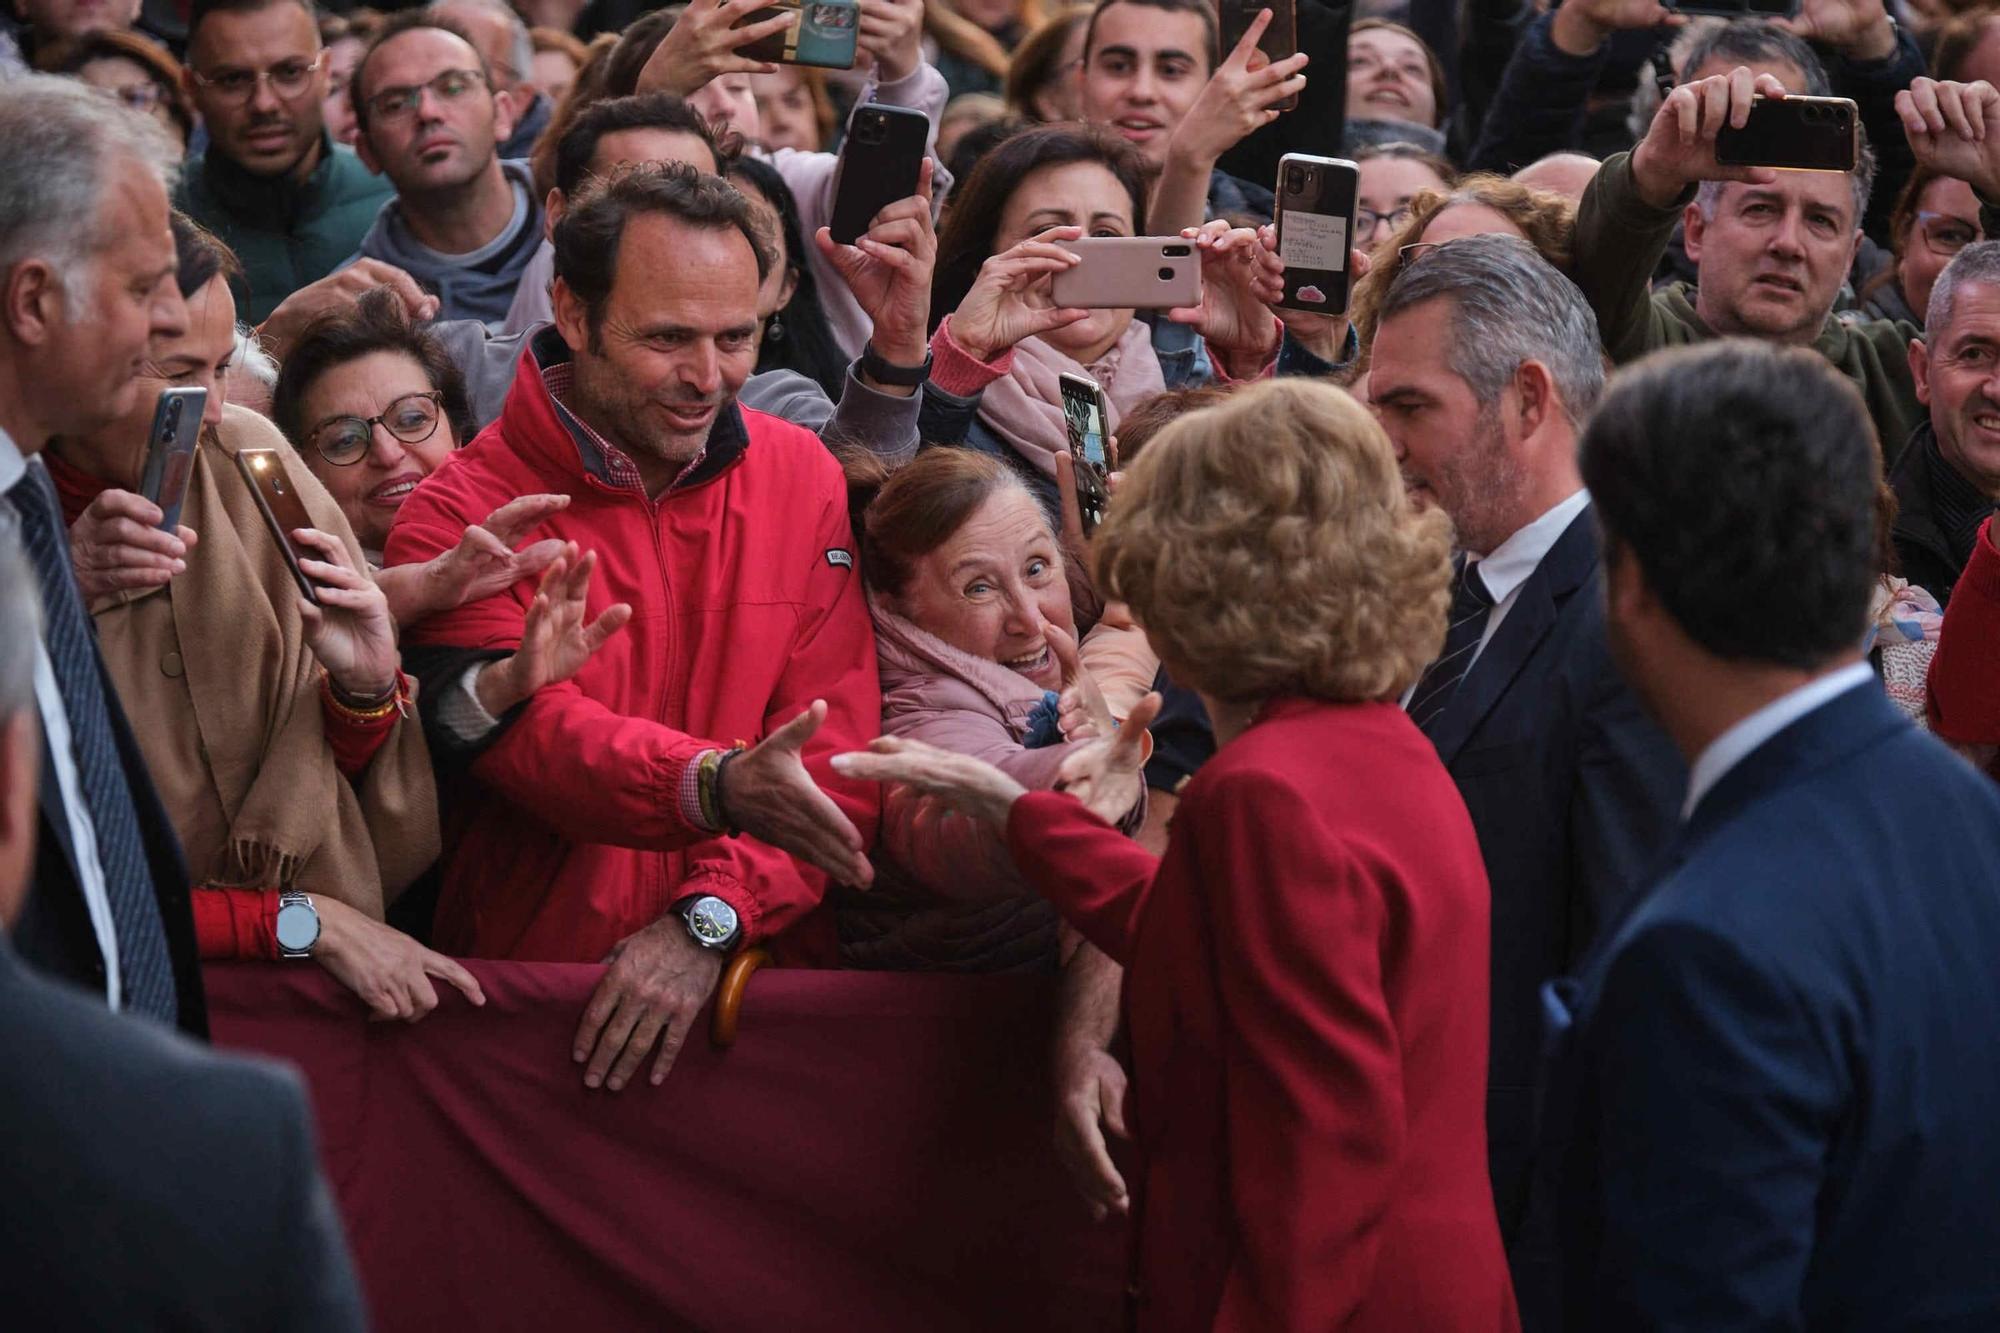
[(1470, 605), (145, 969)]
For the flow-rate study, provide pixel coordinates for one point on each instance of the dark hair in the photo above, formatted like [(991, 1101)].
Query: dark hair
[(1956, 41), (140, 50), (1741, 41), (977, 142), (799, 337), (199, 255), (902, 514), (375, 323), (1743, 479), (586, 92), (1440, 88), (1150, 416), (409, 20), (1401, 151), (1033, 67), (646, 111), (974, 216), (635, 47), (201, 9), (588, 236), (1201, 9)]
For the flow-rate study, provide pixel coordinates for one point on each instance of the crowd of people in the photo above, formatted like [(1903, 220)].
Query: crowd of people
[(1506, 794)]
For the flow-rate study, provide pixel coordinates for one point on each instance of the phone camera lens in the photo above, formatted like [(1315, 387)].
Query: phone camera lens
[(1166, 274), (1295, 180), (277, 484), (1176, 251), (173, 415)]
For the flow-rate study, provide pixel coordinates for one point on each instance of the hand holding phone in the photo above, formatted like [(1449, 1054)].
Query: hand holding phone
[(822, 33), (1316, 203), (879, 164), (1794, 134), (170, 446), (1086, 423), (1278, 41), (1679, 149), (1129, 273), (284, 512)]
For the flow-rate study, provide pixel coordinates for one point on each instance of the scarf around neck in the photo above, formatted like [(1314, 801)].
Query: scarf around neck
[(1024, 407)]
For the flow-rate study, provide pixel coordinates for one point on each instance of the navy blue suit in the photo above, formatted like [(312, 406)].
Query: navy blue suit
[(1573, 791), (1773, 1091)]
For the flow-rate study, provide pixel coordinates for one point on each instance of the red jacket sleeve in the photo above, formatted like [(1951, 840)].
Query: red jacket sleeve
[(1965, 672), (1312, 1068), (235, 923), (1096, 876)]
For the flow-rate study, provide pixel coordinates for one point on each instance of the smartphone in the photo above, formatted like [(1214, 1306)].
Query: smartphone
[(1735, 9), (170, 452), (1130, 273), (1086, 420), (1281, 39), (880, 160), (823, 33), (281, 507), (1794, 134), (1316, 197)]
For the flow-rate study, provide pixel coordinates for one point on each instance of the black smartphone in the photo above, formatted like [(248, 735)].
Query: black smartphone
[(880, 161), (278, 501), (1086, 421), (1735, 9), (1281, 39), (1795, 134), (1316, 198), (823, 33), (170, 451)]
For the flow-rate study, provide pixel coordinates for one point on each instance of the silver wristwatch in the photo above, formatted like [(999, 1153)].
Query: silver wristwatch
[(712, 922), (298, 925)]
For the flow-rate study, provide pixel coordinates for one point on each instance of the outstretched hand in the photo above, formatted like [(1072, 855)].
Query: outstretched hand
[(1241, 96), (970, 786), (768, 794), (1109, 774), (557, 637), (703, 45), (1084, 715), (485, 562)]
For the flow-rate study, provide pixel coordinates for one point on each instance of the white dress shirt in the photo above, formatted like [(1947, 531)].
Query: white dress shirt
[(55, 726), (1514, 561), (1738, 743)]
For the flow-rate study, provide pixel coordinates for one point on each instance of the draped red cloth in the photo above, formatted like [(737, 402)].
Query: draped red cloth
[(873, 1153)]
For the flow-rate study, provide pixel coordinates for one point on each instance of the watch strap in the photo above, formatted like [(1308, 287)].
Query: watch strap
[(888, 372)]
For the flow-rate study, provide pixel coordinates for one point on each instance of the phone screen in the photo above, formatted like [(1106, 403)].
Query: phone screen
[(1083, 412)]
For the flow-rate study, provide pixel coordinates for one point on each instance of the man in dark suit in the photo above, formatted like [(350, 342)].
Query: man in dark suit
[(1772, 1087), (145, 1184), (1485, 361), (87, 280)]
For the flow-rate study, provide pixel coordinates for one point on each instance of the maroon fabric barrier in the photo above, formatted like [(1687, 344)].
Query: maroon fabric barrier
[(874, 1153)]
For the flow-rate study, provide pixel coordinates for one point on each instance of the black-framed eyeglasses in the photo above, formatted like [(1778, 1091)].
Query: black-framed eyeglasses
[(400, 103), (413, 418), (288, 79), (1367, 221)]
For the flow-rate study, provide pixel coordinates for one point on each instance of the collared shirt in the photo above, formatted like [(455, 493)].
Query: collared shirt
[(1514, 561), (55, 729), (1738, 743), (615, 465)]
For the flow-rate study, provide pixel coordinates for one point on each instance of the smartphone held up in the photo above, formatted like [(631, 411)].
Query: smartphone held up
[(282, 509), (170, 452), (880, 162), (1315, 222), (1794, 134), (1086, 422), (1280, 39), (823, 33), (1129, 273)]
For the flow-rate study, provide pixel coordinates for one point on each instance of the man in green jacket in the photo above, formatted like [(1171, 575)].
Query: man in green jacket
[(1771, 248), (289, 201)]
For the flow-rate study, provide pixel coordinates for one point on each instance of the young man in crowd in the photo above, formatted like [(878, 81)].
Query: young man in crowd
[(1771, 1091), (1947, 482), (290, 202), (1150, 74), (1486, 362), (503, 41), (463, 223), (605, 770)]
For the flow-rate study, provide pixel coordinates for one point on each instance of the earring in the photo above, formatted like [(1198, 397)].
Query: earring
[(774, 329)]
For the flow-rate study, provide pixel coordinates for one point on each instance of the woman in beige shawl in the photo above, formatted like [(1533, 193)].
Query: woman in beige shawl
[(280, 735)]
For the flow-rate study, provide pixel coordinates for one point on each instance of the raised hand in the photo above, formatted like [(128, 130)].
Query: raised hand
[(1857, 29), (485, 562), (338, 291), (1954, 129), (1011, 299), (768, 794), (889, 271), (892, 31), (1083, 713), (116, 546), (1109, 774), (703, 44), (1581, 26), (557, 637), (1679, 147), (1240, 96), (970, 786), (388, 970), (351, 631), (1241, 275), (658, 981)]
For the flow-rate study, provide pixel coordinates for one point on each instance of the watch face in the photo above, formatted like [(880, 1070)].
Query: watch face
[(712, 920), (298, 926)]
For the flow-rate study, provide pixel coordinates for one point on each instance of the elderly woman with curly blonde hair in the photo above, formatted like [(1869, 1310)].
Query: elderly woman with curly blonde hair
[(1306, 966)]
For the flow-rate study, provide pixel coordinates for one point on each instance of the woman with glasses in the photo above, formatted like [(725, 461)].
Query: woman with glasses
[(278, 732), (1392, 176), (1935, 217), (138, 72)]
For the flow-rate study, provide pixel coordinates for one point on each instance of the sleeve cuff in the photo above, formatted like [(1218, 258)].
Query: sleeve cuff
[(957, 371), (461, 714), (708, 879), (688, 798)]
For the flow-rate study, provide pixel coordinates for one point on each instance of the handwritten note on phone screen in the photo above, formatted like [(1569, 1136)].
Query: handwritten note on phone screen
[(1313, 240)]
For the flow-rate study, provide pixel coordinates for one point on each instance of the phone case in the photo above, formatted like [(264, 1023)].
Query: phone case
[(170, 451), (1316, 197), (264, 472), (1795, 134), (823, 33), (1281, 39), (1130, 272), (879, 163), (1086, 423)]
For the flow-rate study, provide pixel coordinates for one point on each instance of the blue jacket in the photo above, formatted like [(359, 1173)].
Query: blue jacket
[(1771, 1093)]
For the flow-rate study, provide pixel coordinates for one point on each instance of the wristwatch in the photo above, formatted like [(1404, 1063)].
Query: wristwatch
[(882, 371), (298, 925), (711, 921)]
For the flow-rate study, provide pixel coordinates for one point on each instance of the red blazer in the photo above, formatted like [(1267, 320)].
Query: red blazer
[(1965, 673), (1306, 997)]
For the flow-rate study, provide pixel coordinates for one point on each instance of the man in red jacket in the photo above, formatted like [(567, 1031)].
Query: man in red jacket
[(602, 774)]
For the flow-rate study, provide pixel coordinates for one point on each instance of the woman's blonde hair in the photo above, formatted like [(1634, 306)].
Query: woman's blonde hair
[(1267, 546), (1547, 219)]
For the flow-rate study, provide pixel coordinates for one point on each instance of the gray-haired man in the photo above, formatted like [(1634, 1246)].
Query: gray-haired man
[(1486, 362)]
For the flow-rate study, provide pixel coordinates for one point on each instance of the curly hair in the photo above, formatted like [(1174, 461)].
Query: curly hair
[(1547, 219), (1268, 547)]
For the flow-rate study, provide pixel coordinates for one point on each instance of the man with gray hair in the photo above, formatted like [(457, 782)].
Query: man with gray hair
[(1948, 480), (1486, 363), (87, 284)]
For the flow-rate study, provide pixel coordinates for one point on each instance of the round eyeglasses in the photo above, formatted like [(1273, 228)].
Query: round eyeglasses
[(413, 418)]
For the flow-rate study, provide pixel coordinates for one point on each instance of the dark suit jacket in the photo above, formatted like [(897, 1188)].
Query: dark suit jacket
[(1305, 993), (1573, 790), (146, 1183), (1772, 1092)]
